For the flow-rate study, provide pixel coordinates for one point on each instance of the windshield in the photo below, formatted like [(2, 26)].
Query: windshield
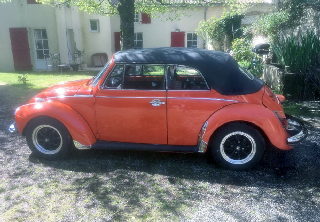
[(97, 78), (246, 73)]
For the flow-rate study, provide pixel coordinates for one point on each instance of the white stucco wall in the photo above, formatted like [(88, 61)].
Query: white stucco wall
[(96, 42), (19, 14)]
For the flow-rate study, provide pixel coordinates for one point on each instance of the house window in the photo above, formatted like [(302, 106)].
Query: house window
[(94, 25), (137, 17), (32, 2), (41, 42), (192, 40), (138, 40)]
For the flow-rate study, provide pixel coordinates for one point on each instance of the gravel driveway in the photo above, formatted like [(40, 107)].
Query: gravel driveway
[(138, 186)]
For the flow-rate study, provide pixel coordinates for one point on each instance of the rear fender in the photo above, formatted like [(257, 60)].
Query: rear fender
[(73, 121), (263, 118)]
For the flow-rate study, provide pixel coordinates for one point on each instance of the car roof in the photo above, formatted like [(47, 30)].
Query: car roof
[(170, 55), (219, 69)]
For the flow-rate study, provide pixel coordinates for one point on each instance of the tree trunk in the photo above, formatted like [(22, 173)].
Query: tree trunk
[(126, 11)]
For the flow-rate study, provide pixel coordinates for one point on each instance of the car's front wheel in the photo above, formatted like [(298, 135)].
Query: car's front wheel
[(48, 138), (237, 146)]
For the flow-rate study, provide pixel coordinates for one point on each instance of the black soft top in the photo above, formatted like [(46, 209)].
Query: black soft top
[(220, 70)]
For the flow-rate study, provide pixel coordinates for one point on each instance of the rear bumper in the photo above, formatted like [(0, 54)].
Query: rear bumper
[(296, 130)]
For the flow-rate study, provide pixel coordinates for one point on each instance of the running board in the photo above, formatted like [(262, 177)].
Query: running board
[(143, 147)]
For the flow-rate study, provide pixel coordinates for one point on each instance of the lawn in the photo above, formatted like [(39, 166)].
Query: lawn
[(98, 185), (36, 82)]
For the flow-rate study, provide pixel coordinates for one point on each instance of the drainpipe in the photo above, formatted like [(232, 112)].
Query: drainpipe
[(205, 19)]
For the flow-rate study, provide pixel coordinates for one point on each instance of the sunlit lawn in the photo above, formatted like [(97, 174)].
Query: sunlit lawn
[(40, 80), (36, 81)]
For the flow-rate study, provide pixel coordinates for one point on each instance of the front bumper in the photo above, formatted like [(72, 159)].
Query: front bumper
[(296, 130), (12, 128)]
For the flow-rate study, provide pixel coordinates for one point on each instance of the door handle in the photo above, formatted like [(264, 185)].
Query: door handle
[(157, 102)]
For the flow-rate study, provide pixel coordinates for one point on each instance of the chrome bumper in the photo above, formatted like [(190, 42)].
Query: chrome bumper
[(12, 128), (296, 130)]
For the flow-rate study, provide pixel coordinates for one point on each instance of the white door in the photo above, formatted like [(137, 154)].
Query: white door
[(42, 55)]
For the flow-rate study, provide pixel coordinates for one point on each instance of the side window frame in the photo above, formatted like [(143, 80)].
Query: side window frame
[(158, 85), (173, 84)]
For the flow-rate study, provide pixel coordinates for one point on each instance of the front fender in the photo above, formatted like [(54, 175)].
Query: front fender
[(73, 121), (258, 115)]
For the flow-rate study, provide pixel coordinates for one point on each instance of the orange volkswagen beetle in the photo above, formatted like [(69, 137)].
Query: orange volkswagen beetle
[(162, 99)]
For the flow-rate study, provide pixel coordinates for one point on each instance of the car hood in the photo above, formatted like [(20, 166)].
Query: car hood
[(61, 90)]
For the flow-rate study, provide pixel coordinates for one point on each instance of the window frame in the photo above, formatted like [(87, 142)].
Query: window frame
[(183, 89), (124, 72), (44, 42), (97, 24), (192, 40), (136, 40), (137, 18)]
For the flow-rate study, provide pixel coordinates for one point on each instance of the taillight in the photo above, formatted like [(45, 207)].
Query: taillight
[(282, 118)]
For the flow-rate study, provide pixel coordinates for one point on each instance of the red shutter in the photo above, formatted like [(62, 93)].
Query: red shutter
[(145, 18), (177, 39), (20, 49), (117, 46)]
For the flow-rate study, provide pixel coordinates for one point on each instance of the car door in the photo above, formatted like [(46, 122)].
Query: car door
[(190, 102), (131, 105)]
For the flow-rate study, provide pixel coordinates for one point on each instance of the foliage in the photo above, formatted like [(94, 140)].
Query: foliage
[(242, 51), (288, 16), (299, 52), (269, 25), (227, 26), (77, 55), (23, 78)]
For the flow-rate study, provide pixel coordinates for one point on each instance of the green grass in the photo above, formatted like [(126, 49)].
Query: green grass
[(306, 109), (36, 81), (40, 80)]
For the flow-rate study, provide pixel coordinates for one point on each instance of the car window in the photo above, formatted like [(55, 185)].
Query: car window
[(115, 78), (246, 73), (180, 77), (97, 78), (136, 76)]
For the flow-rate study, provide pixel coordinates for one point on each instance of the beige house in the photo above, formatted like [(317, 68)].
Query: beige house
[(34, 35)]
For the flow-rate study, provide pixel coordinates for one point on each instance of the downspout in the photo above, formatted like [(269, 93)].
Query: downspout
[(205, 19)]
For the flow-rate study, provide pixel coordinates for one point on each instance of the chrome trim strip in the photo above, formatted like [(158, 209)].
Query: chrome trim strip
[(89, 96), (80, 146), (75, 96), (202, 145), (227, 100), (129, 97), (143, 90)]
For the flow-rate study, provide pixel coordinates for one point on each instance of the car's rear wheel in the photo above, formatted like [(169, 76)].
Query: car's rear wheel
[(237, 146), (48, 138)]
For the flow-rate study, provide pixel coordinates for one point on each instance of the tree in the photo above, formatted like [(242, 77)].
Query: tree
[(127, 8)]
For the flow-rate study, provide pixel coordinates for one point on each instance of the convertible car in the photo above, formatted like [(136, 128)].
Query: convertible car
[(162, 99)]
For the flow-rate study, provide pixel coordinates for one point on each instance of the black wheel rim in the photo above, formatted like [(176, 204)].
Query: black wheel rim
[(238, 148), (47, 139)]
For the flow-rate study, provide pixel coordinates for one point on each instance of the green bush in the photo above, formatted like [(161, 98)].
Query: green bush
[(23, 78)]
